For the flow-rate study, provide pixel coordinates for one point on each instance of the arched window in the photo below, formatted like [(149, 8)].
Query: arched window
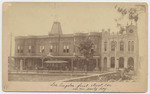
[(131, 63), (105, 46), (129, 45), (92, 49), (113, 46), (105, 59), (105, 64), (121, 46), (121, 62), (132, 49), (112, 65)]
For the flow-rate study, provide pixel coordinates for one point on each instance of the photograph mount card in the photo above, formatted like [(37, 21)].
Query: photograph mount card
[(75, 47)]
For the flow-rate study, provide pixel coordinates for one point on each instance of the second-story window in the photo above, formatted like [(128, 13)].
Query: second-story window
[(21, 49), (66, 49), (121, 46), (132, 46), (105, 46), (51, 48), (129, 45), (94, 47), (41, 49), (18, 49), (29, 50), (113, 46)]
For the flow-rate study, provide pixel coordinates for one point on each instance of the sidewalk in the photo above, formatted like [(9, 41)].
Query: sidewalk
[(56, 72), (89, 77), (44, 76)]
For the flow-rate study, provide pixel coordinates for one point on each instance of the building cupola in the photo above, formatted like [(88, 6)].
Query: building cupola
[(56, 29)]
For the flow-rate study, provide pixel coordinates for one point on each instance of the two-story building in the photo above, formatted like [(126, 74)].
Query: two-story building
[(112, 50)]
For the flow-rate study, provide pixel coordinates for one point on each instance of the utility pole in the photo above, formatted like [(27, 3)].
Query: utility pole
[(58, 44), (116, 60), (10, 44)]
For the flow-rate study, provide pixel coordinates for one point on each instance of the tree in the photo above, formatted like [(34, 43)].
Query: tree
[(85, 49), (132, 13)]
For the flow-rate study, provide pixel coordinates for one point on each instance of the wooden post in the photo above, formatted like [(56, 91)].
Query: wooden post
[(72, 64), (21, 64), (116, 63), (42, 62), (96, 67), (108, 63), (102, 64), (125, 62), (24, 65)]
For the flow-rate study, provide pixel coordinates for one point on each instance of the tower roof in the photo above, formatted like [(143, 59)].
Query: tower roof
[(56, 28)]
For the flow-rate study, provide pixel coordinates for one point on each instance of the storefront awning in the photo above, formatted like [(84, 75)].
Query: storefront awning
[(55, 62)]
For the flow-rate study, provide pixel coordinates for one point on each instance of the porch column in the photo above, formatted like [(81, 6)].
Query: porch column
[(116, 63), (96, 67), (72, 68), (21, 65), (42, 62), (108, 64), (24, 65), (136, 65), (125, 62), (102, 64)]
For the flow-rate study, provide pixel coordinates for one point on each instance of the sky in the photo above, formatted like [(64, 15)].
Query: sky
[(37, 18)]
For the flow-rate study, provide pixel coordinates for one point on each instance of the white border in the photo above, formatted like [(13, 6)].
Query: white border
[(1, 2)]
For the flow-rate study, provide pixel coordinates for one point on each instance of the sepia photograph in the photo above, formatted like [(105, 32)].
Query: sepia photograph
[(78, 46)]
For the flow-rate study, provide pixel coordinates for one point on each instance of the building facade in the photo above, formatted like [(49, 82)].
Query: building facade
[(112, 51)]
